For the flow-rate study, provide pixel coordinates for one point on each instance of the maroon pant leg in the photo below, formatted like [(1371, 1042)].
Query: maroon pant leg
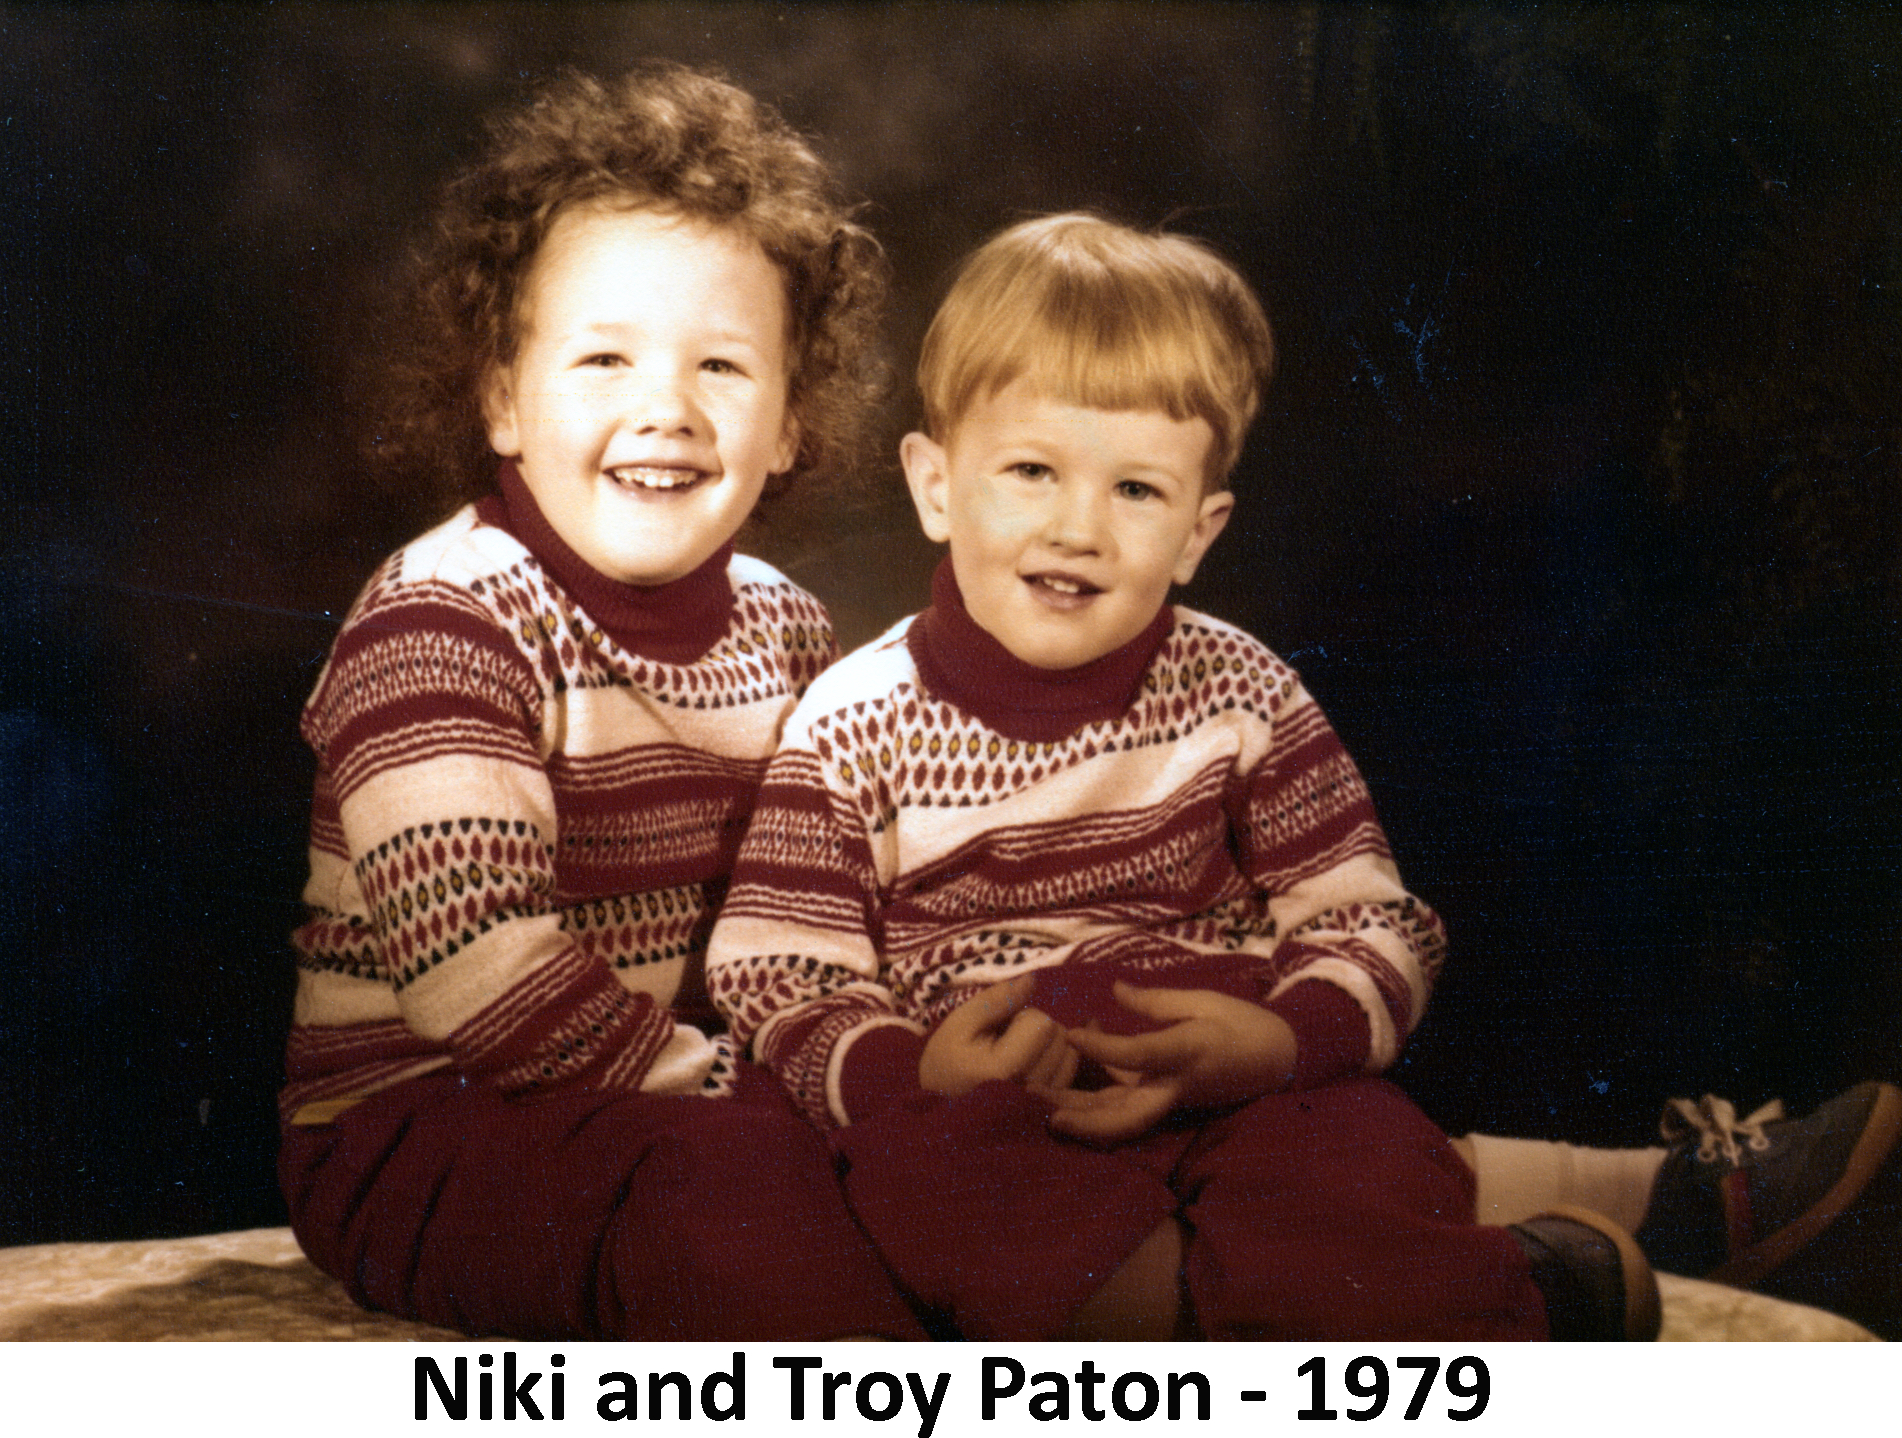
[(588, 1215), (987, 1218), (1342, 1213)]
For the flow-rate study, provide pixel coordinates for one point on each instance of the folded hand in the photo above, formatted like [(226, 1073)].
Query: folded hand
[(1217, 1049)]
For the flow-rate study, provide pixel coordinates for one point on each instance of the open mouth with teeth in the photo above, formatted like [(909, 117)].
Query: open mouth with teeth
[(655, 477), (1062, 585)]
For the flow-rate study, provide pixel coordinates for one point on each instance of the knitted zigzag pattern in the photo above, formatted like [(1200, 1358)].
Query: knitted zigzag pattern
[(521, 831), (904, 853)]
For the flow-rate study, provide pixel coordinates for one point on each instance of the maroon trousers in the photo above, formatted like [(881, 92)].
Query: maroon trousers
[(588, 1215), (1337, 1213)]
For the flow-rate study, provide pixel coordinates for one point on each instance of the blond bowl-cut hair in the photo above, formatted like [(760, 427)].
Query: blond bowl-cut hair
[(1094, 313)]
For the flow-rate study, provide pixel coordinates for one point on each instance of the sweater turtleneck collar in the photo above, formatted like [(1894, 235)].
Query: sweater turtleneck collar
[(674, 623), (960, 662)]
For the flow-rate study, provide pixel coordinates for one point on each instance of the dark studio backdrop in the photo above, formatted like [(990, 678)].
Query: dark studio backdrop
[(1576, 500)]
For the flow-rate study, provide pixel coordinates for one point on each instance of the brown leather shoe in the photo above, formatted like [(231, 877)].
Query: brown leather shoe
[(1598, 1287)]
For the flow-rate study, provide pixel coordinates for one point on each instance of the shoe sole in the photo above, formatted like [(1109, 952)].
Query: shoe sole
[(1644, 1312), (1752, 1265)]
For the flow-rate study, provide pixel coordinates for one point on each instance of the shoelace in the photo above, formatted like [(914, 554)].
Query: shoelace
[(1714, 1120)]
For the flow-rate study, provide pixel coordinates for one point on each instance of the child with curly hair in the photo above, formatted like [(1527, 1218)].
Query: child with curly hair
[(509, 1108)]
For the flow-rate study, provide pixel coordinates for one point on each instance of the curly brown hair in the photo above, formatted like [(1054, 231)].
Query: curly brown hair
[(663, 136)]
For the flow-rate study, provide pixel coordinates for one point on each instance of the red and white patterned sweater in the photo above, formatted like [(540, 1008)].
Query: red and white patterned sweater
[(531, 785), (941, 816)]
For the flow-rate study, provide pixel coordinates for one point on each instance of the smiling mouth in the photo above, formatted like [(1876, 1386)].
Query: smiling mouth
[(1067, 586), (655, 477)]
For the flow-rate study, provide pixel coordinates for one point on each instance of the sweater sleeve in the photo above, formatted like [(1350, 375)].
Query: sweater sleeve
[(794, 965), (425, 727), (1312, 846)]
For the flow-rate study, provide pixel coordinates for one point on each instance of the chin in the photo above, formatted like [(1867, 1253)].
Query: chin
[(648, 572), (1057, 660)]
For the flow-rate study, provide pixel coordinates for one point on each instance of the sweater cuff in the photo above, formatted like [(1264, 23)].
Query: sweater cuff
[(1331, 1036), (570, 1023), (879, 1071)]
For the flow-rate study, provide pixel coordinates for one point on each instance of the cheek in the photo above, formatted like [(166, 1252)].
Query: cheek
[(557, 408), (984, 516), (765, 430), (1153, 566), (985, 548)]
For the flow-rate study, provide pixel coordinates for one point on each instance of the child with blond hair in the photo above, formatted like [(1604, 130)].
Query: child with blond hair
[(1065, 909), (540, 731)]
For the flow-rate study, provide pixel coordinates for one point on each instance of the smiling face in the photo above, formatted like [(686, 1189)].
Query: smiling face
[(646, 404), (1067, 525)]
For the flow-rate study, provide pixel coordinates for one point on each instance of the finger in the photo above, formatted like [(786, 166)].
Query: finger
[(1159, 1003), (1041, 1072), (1076, 1098), (1054, 1066), (1160, 1052), (1066, 1070), (1120, 1113), (1024, 1040), (1041, 1064), (1117, 1098), (992, 1006)]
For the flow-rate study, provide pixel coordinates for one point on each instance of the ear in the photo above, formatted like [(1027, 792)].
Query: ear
[(927, 474), (788, 452), (498, 412), (1210, 521)]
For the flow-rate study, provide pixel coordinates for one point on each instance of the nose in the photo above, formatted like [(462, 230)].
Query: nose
[(1074, 521), (663, 404)]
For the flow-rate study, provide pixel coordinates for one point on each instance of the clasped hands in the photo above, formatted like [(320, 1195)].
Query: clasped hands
[(1216, 1049)]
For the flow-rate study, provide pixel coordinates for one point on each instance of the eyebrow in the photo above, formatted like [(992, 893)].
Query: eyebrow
[(616, 329)]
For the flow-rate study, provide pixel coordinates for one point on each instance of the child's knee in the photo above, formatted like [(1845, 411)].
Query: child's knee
[(1144, 1300)]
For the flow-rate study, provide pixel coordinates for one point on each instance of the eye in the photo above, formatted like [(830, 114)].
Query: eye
[(719, 366), (1030, 469), (1136, 489), (605, 360)]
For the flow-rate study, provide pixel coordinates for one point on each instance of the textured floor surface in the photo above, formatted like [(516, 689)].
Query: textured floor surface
[(256, 1285)]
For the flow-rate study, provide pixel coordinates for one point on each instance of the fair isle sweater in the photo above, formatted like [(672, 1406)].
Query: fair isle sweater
[(941, 816), (531, 785)]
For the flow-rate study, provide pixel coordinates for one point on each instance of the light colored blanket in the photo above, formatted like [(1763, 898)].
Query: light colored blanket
[(256, 1285)]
